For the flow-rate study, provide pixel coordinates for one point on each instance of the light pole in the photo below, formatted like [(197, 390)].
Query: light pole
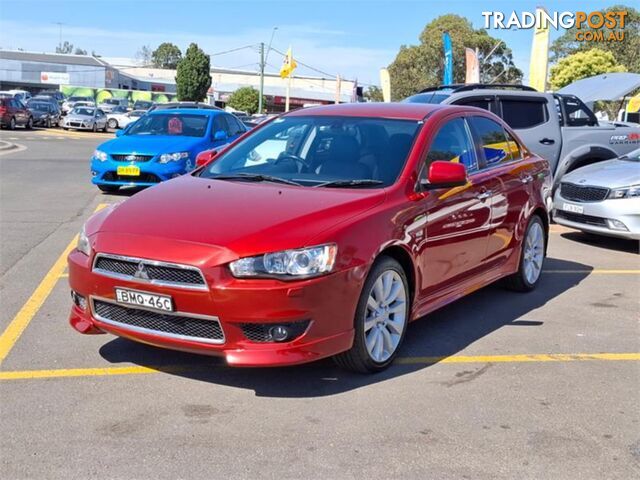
[(59, 32), (263, 61)]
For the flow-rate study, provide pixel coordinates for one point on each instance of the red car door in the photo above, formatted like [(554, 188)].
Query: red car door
[(511, 174), (458, 219)]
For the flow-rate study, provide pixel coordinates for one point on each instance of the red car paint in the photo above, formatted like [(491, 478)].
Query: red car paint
[(450, 241)]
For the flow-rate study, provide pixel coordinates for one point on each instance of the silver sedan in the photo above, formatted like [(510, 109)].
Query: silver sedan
[(602, 198), (85, 118)]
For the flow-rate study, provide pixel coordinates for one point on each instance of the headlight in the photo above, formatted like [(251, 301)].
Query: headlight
[(173, 157), (625, 192), (288, 264), (100, 155), (83, 243)]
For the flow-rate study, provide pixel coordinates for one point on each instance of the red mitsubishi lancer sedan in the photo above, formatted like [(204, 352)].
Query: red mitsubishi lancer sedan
[(321, 233)]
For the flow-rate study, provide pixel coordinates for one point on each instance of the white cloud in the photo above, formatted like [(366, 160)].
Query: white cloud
[(325, 49)]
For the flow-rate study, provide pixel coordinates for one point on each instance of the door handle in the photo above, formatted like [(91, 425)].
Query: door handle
[(526, 179), (484, 195), (547, 141)]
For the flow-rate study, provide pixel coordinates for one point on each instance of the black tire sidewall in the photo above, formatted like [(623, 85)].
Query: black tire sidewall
[(382, 265), (12, 123)]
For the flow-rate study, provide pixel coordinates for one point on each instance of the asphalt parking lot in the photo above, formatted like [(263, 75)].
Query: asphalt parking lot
[(497, 385)]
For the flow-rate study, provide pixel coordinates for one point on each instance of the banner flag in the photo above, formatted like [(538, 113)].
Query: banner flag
[(473, 66), (448, 59), (288, 65), (539, 55)]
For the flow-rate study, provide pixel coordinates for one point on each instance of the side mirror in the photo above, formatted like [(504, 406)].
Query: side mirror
[(444, 174), (206, 157), (119, 133), (220, 135)]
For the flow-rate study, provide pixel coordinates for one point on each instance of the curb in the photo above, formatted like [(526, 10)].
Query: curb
[(6, 146)]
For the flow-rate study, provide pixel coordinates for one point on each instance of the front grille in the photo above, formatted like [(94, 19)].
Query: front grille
[(131, 158), (142, 178), (580, 218), (75, 124), (176, 325), (259, 332), (149, 271), (579, 193)]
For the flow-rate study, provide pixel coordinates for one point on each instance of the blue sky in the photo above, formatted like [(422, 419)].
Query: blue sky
[(352, 38)]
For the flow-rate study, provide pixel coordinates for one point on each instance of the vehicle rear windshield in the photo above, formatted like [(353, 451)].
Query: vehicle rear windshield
[(427, 97), (315, 150), (39, 106), (174, 124)]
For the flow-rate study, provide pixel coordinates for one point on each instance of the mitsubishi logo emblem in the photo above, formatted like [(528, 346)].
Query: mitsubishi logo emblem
[(141, 272)]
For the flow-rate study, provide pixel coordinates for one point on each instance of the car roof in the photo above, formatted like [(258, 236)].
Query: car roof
[(404, 111), (186, 111)]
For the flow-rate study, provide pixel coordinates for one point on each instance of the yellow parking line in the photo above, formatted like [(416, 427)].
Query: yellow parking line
[(12, 333), (139, 370)]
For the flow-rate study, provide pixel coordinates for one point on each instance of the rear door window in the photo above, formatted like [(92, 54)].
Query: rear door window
[(486, 102), (524, 113), (491, 138)]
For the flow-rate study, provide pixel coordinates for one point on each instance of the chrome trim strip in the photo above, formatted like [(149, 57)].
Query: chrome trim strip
[(163, 283), (157, 333)]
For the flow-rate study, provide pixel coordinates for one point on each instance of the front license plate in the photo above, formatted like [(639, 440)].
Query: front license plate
[(130, 170), (569, 207), (142, 299)]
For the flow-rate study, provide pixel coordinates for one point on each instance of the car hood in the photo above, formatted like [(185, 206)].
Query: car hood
[(610, 174), (240, 217), (82, 118), (150, 144)]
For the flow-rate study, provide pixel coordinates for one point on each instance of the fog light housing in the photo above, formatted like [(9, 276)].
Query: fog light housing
[(617, 225), (274, 332), (279, 333), (79, 300)]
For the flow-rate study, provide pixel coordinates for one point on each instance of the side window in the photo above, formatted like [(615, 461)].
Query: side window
[(452, 143), (492, 140), (577, 113), (486, 103), (219, 124), (524, 113), (514, 148), (235, 127)]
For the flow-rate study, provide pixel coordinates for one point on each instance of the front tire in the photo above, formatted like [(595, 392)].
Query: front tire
[(381, 320), (29, 124), (109, 188), (531, 258), (113, 123), (12, 123)]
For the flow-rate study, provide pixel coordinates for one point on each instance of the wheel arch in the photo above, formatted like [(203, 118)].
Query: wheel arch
[(400, 254), (582, 156)]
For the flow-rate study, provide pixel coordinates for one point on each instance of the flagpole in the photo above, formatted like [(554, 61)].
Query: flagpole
[(286, 102)]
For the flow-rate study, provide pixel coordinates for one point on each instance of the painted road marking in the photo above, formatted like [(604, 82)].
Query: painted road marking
[(139, 370), (12, 333), (596, 271)]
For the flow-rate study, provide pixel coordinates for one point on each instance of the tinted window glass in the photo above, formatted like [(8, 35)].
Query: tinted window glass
[(235, 126), (484, 103), (492, 140), (170, 124), (523, 114), (431, 97), (514, 148), (452, 143), (577, 113), (219, 124)]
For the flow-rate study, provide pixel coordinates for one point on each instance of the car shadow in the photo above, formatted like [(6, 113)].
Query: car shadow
[(124, 192), (441, 334), (601, 241)]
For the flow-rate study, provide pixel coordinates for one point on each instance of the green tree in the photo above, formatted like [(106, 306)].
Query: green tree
[(167, 55), (245, 99), (626, 52), (144, 55), (193, 76), (65, 47), (79, 51), (582, 65), (420, 66), (373, 93)]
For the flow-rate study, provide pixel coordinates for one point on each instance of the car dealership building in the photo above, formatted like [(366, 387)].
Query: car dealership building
[(37, 71)]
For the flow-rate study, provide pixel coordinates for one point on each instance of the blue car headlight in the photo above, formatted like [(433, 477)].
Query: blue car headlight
[(100, 155), (173, 157)]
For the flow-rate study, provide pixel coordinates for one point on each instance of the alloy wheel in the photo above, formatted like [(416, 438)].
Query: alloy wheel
[(385, 316), (533, 253)]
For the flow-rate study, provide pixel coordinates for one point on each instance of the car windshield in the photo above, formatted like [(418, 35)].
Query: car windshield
[(43, 107), (83, 111), (111, 101), (174, 124), (633, 156), (76, 99), (119, 110), (320, 151), (427, 97)]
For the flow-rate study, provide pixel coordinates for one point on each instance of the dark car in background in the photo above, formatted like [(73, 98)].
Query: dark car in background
[(13, 112), (56, 95), (142, 105), (44, 114)]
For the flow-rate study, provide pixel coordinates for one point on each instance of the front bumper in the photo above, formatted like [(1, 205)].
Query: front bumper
[(151, 172), (598, 217), (327, 303)]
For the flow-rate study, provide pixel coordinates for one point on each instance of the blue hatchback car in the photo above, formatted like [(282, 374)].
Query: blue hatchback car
[(161, 145)]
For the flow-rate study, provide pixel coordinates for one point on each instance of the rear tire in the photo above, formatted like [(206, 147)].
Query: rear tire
[(531, 258), (29, 124), (109, 188), (381, 319), (12, 123)]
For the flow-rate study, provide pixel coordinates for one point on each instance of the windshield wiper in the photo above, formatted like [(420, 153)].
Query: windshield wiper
[(254, 177), (364, 182)]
